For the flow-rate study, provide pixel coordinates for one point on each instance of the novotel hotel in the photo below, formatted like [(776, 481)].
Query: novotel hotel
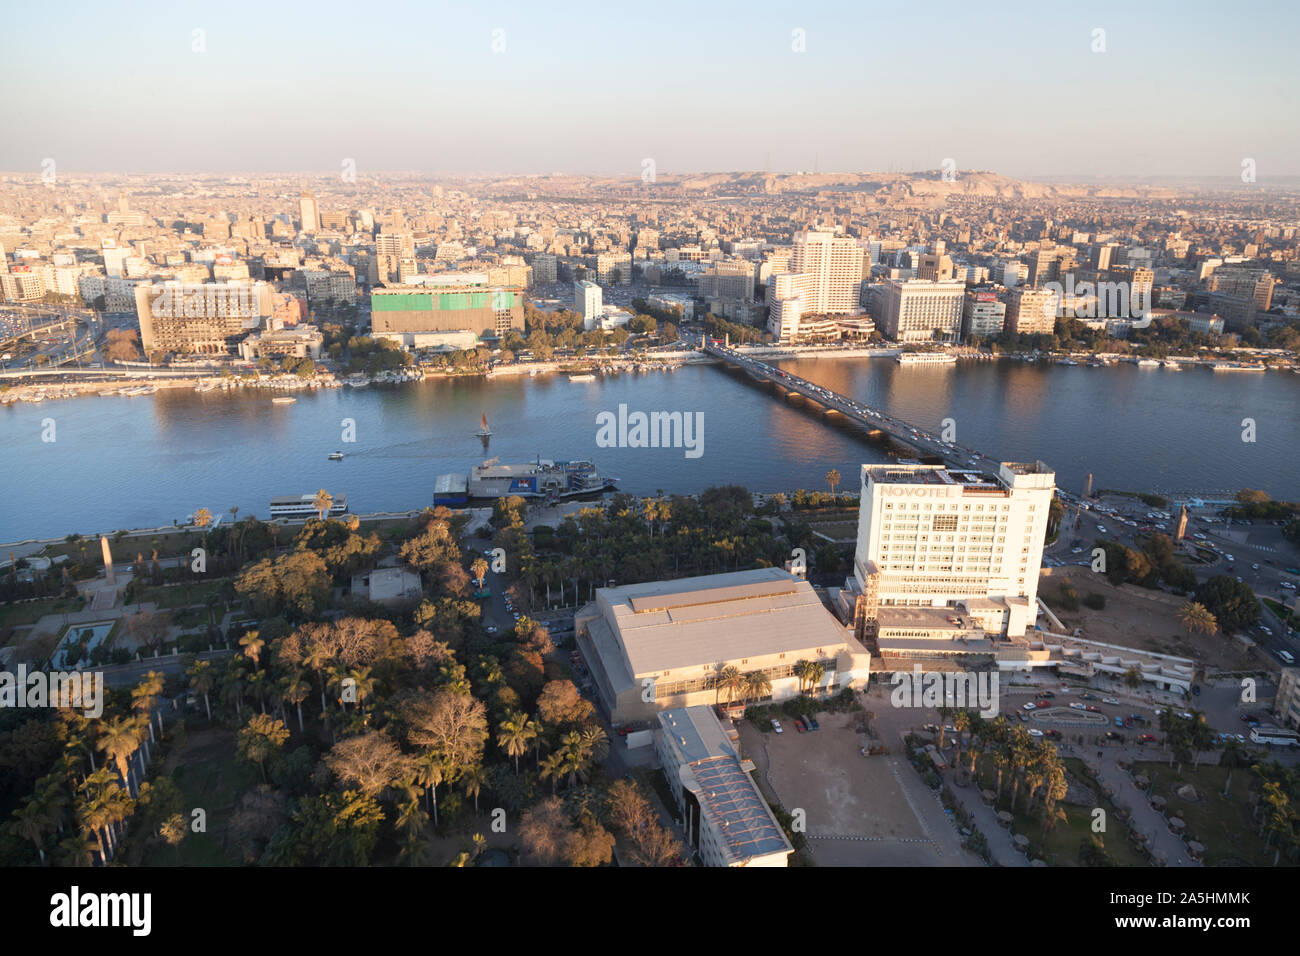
[(931, 537)]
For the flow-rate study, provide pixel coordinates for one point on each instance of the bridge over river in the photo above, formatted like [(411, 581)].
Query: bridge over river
[(873, 419)]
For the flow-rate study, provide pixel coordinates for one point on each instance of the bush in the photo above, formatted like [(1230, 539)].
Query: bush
[(1095, 601)]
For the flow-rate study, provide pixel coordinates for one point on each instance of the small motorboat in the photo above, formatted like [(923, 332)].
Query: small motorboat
[(336, 456)]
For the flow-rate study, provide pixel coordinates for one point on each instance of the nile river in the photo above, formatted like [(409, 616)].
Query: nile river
[(140, 462)]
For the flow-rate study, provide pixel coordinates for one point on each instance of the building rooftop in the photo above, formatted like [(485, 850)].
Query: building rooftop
[(726, 793), (694, 621)]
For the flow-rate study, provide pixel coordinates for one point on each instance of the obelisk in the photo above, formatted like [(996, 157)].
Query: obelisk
[(108, 561)]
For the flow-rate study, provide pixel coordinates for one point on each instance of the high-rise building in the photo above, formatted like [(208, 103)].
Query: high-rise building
[(544, 268), (982, 315), (309, 212), (931, 537), (914, 310), (588, 299), (1032, 311), (835, 264), (614, 267), (208, 318)]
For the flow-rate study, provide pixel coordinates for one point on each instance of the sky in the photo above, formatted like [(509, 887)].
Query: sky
[(1181, 89)]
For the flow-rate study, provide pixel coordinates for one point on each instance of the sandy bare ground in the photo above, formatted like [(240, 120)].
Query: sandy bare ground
[(1134, 620)]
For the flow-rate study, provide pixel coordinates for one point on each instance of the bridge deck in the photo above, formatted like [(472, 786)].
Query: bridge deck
[(873, 418)]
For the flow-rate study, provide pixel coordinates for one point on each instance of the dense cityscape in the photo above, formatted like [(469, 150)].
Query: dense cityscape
[(933, 517)]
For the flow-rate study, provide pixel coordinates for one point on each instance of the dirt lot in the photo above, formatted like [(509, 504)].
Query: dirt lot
[(846, 795), (1133, 620)]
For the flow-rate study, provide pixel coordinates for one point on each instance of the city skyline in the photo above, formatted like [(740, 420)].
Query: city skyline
[(1030, 93)]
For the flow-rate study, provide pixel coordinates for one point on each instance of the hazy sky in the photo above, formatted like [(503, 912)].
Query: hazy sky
[(1185, 88)]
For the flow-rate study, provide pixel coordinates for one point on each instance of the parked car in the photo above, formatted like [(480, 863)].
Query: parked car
[(1046, 694), (1075, 705), (1031, 705), (1093, 709), (1110, 700), (812, 722), (776, 727), (1146, 738), (1087, 696), (1035, 732), (798, 725)]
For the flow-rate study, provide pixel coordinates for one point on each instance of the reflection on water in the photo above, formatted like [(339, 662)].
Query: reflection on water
[(123, 462)]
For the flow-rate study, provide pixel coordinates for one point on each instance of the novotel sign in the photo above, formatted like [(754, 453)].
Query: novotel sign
[(915, 491)]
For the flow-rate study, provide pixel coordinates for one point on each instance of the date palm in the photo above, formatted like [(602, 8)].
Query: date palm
[(730, 680), (757, 685), (480, 569), (1198, 619)]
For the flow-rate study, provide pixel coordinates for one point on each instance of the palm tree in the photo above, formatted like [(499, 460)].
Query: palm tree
[(944, 713), (1198, 619), (961, 724), (33, 822), (323, 502), (252, 645), (202, 681), (119, 738), (480, 569), (731, 680), (552, 768), (1132, 678), (429, 774), (144, 699), (294, 691), (595, 742), (832, 479), (757, 685), (800, 670), (202, 519), (472, 781), (514, 734)]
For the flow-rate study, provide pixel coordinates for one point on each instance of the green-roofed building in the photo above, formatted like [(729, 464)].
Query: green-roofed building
[(445, 308)]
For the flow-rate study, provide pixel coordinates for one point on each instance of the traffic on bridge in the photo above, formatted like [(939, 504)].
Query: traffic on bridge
[(952, 454)]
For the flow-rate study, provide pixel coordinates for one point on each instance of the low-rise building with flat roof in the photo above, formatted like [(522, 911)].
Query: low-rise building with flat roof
[(663, 644), (725, 818)]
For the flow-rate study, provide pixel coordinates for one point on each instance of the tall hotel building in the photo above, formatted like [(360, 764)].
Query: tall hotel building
[(835, 265), (915, 310), (949, 553)]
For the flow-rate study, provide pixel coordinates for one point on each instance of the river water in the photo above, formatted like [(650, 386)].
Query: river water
[(120, 462)]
